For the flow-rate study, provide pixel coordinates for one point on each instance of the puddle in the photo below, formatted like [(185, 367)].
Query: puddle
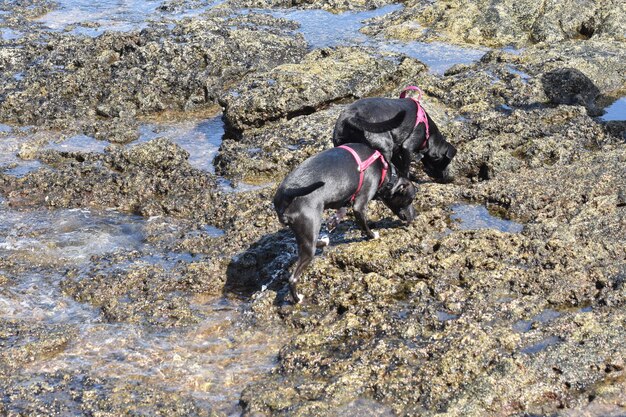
[(525, 77), (472, 217), (437, 55), (547, 315), (444, 316), (324, 29), (68, 237), (10, 145), (616, 111), (79, 143), (9, 34), (201, 138), (522, 326), (92, 18), (542, 345)]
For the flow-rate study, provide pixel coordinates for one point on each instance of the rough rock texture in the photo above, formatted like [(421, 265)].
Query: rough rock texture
[(62, 393), (514, 80), (440, 317), (497, 142), (569, 86), (23, 343), (148, 179), (142, 292), (505, 22), (269, 153), (101, 85), (323, 77), (334, 6)]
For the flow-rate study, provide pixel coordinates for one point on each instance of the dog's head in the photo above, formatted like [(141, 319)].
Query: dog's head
[(400, 200), (437, 160)]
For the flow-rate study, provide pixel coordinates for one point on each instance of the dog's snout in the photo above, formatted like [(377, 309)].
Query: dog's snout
[(407, 214)]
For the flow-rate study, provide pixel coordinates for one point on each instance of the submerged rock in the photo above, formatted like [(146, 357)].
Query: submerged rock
[(65, 393), (150, 179)]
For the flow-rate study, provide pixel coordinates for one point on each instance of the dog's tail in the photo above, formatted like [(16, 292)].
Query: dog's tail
[(292, 193), (289, 194), (377, 127)]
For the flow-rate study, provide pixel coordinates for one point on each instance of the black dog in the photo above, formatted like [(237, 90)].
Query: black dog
[(389, 125), (331, 179)]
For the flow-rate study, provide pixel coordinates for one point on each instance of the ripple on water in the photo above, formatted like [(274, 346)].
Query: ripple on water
[(211, 361), (471, 217)]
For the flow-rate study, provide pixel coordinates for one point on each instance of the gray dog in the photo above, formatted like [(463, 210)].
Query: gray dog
[(333, 179), (400, 129)]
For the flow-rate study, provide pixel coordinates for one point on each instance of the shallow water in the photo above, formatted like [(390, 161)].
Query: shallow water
[(324, 29), (320, 28), (212, 360), (201, 138), (616, 111), (95, 17), (472, 217)]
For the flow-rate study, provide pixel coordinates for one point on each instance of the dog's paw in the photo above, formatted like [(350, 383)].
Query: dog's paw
[(375, 235), (323, 240), (300, 298)]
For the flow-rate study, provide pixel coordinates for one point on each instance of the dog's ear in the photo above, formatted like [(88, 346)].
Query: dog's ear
[(450, 152)]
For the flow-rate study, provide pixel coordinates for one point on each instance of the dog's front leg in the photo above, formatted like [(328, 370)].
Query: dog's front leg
[(360, 212)]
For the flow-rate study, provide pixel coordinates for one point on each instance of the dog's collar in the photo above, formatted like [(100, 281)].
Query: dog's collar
[(363, 165), (392, 179), (420, 115)]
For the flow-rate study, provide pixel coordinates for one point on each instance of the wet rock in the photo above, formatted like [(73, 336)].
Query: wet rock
[(570, 86), (268, 154), (324, 77), (124, 75), (503, 80), (373, 327), (19, 14), (334, 6), (143, 292), (154, 178), (85, 395), (23, 342), (496, 143), (503, 23)]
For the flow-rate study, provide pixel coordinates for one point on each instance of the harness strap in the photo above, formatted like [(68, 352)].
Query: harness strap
[(421, 114), (363, 165)]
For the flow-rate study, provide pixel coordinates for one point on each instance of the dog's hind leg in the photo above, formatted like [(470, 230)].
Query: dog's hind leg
[(306, 230)]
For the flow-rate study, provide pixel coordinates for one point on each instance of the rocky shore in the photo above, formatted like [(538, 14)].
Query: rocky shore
[(437, 318)]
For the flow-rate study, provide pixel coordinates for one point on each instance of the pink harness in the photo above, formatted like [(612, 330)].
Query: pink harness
[(421, 114), (363, 165)]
